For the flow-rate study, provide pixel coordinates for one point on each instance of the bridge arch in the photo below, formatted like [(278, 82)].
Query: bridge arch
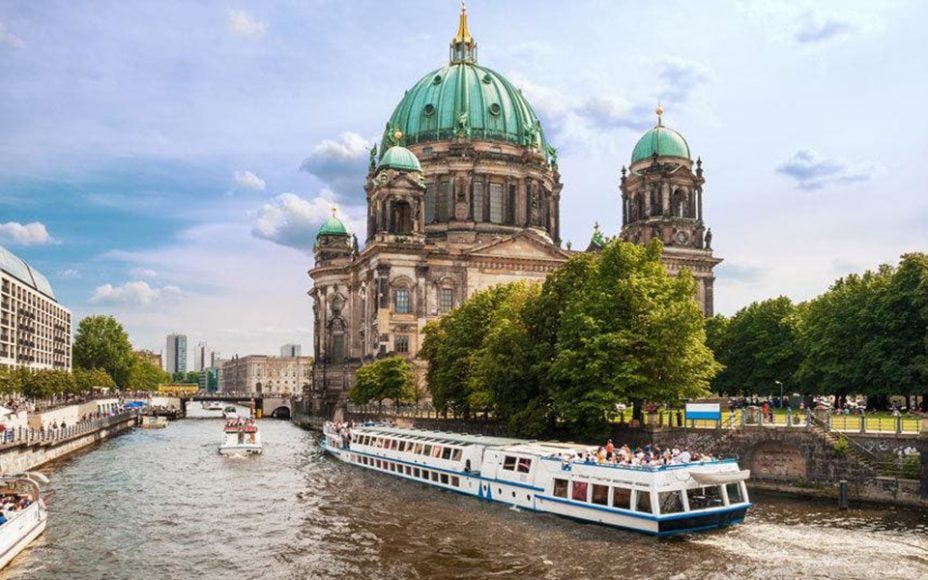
[(281, 412)]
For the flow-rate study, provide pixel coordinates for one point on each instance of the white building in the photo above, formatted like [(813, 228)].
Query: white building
[(291, 350), (175, 354), (35, 330), (261, 374)]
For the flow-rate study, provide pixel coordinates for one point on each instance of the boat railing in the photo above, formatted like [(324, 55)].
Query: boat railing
[(568, 465)]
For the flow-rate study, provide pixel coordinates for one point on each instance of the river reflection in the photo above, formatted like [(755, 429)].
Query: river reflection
[(165, 504)]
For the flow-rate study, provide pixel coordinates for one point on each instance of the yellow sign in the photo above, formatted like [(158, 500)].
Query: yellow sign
[(178, 389)]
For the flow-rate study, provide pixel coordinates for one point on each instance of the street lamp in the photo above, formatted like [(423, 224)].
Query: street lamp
[(781, 392)]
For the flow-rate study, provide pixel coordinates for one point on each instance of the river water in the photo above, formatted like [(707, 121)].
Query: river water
[(165, 504)]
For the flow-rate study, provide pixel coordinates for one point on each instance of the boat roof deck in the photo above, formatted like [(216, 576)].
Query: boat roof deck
[(451, 438)]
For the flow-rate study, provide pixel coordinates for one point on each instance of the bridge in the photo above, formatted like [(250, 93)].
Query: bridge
[(277, 405)]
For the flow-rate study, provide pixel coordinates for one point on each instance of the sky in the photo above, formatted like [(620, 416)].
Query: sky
[(170, 162)]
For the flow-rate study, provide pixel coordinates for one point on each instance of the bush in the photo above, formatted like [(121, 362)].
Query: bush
[(841, 446)]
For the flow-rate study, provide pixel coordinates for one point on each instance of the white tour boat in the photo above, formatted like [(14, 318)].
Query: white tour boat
[(229, 412), (22, 513), (212, 406), (241, 437), (531, 475)]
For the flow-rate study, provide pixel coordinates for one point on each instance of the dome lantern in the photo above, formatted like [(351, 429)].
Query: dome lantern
[(333, 227), (463, 45)]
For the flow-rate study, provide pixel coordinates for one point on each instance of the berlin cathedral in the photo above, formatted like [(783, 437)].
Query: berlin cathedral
[(463, 194)]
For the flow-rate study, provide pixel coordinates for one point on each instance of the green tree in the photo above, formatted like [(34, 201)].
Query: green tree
[(101, 343), (86, 380), (387, 378), (757, 347), (145, 375), (192, 377), (630, 331)]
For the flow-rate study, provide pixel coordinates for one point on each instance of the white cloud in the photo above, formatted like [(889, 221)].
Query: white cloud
[(293, 221), (69, 274), (10, 39), (31, 234), (248, 180), (132, 293), (814, 171), (243, 24), (815, 28), (143, 273), (341, 163)]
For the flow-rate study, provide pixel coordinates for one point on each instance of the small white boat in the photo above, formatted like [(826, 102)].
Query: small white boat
[(153, 422), (229, 412), (22, 513), (241, 437), (213, 406)]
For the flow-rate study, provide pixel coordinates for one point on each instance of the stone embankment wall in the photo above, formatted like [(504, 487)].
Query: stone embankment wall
[(25, 455)]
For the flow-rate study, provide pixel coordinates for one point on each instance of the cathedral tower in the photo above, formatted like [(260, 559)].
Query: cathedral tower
[(662, 198)]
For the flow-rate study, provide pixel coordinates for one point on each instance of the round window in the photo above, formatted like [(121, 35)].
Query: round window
[(486, 79), (495, 109), (429, 110), (436, 79)]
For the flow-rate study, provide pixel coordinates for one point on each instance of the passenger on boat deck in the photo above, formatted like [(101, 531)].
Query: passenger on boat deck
[(651, 456)]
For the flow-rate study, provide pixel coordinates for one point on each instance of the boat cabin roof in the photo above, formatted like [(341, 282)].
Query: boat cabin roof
[(438, 437)]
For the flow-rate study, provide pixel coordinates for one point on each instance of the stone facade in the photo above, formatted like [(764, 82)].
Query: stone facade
[(260, 374), (464, 194)]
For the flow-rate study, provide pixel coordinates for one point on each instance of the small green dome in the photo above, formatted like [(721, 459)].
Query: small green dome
[(399, 158), (663, 141), (332, 227)]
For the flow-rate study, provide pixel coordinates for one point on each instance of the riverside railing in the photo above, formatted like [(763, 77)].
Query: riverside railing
[(21, 435)]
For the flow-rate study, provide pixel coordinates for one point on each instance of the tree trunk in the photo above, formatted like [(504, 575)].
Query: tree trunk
[(637, 411)]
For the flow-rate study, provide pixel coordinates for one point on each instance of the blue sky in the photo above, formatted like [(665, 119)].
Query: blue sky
[(170, 162)]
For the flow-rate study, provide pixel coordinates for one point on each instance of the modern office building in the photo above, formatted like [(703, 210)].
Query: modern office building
[(291, 350), (261, 374), (35, 330), (202, 357), (175, 354)]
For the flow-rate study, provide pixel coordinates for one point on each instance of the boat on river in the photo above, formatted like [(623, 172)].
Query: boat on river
[(152, 422), (241, 437), (661, 500), (212, 406), (22, 513), (229, 412)]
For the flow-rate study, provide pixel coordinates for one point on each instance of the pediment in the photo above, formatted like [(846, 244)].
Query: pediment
[(524, 245)]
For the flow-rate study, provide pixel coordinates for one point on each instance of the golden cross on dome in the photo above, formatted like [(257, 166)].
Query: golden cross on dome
[(463, 33)]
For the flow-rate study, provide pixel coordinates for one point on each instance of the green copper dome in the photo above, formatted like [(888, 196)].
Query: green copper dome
[(399, 158), (332, 227), (663, 141), (465, 100)]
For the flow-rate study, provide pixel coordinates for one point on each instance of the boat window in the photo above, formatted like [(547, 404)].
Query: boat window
[(701, 498), (434, 476), (621, 497), (525, 465), (418, 449), (408, 470), (643, 501), (734, 493), (377, 463), (425, 474), (427, 450), (509, 463), (436, 451), (560, 488), (446, 453), (600, 494), (444, 478), (671, 502), (456, 456), (401, 446), (579, 490), (455, 481), (415, 472)]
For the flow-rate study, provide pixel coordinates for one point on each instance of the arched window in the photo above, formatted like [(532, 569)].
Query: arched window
[(445, 300), (478, 201), (402, 217), (429, 202), (401, 301), (496, 203), (444, 201), (680, 203), (657, 207)]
